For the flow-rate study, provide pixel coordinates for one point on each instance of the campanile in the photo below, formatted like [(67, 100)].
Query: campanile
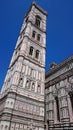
[(22, 94)]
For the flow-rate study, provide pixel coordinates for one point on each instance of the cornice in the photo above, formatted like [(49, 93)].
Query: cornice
[(13, 94), (59, 66), (34, 61), (39, 8), (59, 78), (35, 41)]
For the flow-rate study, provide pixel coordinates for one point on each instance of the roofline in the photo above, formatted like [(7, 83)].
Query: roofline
[(59, 66), (38, 7)]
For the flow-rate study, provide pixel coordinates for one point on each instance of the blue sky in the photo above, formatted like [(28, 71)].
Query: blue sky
[(59, 43)]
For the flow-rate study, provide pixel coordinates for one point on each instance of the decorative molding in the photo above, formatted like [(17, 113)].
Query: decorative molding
[(59, 78)]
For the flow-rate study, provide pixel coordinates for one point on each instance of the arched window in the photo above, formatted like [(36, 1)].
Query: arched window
[(33, 86), (21, 81), (38, 89), (38, 21), (57, 107), (33, 34), (37, 54), (38, 37), (27, 84), (31, 51)]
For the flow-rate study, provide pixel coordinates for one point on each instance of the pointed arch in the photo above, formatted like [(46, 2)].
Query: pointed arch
[(38, 21)]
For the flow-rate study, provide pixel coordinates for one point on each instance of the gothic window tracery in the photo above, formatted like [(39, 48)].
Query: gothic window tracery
[(33, 86), (27, 84), (31, 51), (38, 21), (38, 37), (20, 81), (33, 34), (38, 89), (37, 54)]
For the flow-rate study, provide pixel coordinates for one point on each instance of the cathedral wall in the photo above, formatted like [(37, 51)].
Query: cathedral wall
[(60, 71), (58, 92)]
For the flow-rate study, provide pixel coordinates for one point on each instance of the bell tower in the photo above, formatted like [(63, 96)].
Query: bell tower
[(22, 95)]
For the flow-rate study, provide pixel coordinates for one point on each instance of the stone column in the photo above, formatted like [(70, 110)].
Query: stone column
[(70, 109), (55, 112)]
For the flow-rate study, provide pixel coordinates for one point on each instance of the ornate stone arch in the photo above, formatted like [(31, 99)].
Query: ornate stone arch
[(27, 84)]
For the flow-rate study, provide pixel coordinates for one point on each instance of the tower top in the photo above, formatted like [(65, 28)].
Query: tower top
[(38, 7)]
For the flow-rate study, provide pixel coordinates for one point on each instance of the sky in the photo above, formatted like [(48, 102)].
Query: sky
[(59, 39)]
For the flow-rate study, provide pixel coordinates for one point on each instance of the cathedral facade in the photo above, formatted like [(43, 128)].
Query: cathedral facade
[(28, 101), (59, 96)]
